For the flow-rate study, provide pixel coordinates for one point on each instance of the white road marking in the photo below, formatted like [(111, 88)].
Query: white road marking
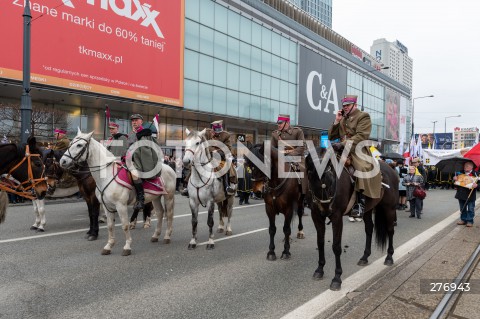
[(234, 236), (102, 227), (314, 307)]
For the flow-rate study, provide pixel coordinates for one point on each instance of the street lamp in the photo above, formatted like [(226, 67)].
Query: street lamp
[(413, 109), (445, 135), (365, 72), (26, 100)]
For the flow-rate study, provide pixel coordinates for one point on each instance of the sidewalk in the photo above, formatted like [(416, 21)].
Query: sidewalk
[(397, 293)]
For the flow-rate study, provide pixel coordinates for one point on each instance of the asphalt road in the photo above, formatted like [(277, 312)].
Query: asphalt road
[(58, 274)]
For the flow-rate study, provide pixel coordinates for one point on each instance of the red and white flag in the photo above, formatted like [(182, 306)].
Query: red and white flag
[(156, 119)]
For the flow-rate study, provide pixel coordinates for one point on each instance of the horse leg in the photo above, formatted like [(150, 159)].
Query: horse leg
[(123, 213), (287, 230), (300, 211), (367, 219), (272, 229), (147, 215), (37, 215), (211, 209), (157, 206), (221, 225), (229, 209), (41, 213), (92, 233), (169, 201), (133, 219), (194, 209), (319, 223), (111, 232), (390, 224), (337, 230)]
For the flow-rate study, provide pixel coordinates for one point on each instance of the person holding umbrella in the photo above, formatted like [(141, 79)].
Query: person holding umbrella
[(466, 196)]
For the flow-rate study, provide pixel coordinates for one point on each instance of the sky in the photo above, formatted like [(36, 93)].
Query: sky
[(443, 39)]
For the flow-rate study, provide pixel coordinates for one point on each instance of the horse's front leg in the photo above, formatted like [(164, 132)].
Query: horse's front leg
[(157, 206), (337, 230), (287, 231), (229, 209), (93, 210), (221, 224), (111, 232), (122, 210), (319, 223), (39, 211), (272, 229), (391, 217), (169, 201), (211, 209), (300, 211), (194, 209), (367, 219)]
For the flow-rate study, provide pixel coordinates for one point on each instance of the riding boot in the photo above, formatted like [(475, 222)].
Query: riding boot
[(229, 187), (359, 208), (140, 203)]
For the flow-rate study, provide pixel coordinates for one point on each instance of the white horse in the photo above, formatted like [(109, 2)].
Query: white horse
[(204, 188), (115, 197)]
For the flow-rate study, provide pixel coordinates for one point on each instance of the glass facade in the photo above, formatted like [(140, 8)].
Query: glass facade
[(234, 66), (320, 9)]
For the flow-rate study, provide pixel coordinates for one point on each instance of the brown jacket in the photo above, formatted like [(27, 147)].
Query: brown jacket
[(293, 134), (62, 144), (223, 137), (356, 128)]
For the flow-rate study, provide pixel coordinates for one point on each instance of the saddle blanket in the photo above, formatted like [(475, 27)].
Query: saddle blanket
[(153, 186)]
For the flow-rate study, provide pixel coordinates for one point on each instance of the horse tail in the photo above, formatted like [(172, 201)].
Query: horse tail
[(3, 206), (381, 227)]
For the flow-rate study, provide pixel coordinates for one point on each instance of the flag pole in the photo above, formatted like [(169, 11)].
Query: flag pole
[(105, 122)]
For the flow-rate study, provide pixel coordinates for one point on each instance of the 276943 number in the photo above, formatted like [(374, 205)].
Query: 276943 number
[(447, 287)]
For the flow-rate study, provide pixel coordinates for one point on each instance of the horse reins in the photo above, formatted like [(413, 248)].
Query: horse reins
[(12, 187), (200, 175)]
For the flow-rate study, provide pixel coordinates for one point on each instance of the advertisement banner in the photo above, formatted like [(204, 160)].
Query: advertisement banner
[(124, 48), (392, 113), (438, 141), (323, 83), (402, 130)]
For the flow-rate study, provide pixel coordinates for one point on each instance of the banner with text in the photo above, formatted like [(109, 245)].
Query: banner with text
[(125, 48)]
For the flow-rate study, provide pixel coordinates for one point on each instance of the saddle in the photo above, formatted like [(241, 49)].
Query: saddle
[(154, 186)]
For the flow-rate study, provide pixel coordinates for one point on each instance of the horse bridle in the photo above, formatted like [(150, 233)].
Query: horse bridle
[(27, 185), (324, 196), (86, 148)]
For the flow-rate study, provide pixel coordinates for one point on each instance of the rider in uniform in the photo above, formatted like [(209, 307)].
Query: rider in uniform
[(354, 125), (61, 140), (117, 150), (144, 159), (216, 132), (286, 133)]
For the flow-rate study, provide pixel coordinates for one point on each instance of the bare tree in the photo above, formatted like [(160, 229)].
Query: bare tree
[(44, 120)]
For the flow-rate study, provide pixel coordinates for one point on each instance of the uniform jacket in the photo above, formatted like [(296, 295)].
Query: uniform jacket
[(62, 144), (292, 134), (223, 137), (463, 192), (119, 150), (356, 128), (144, 159)]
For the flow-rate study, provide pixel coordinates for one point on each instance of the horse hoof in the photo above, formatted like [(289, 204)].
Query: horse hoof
[(220, 230), (40, 230), (146, 226), (154, 240), (228, 233), (318, 275), (388, 262), (271, 256), (106, 252), (300, 236), (132, 227), (286, 256), (335, 286), (92, 238), (210, 246), (192, 246), (166, 241), (33, 228), (126, 252), (101, 221), (362, 262)]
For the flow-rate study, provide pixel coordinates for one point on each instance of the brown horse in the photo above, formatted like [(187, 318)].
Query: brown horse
[(24, 166), (331, 197), (86, 186), (281, 195)]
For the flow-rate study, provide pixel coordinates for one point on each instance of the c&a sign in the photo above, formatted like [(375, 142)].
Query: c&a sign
[(323, 83)]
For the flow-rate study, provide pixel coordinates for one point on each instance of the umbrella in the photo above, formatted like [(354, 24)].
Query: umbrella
[(393, 156), (452, 165)]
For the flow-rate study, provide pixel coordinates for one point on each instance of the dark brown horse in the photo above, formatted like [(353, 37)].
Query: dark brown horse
[(331, 197), (281, 195), (26, 167), (86, 186)]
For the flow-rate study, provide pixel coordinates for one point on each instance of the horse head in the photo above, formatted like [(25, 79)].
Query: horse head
[(259, 177), (53, 171), (194, 141), (77, 151), (321, 179)]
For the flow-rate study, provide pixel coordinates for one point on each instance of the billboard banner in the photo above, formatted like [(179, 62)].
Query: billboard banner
[(124, 48), (323, 83), (438, 141), (392, 113)]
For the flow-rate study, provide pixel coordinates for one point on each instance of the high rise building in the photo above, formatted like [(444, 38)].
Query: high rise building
[(320, 9), (395, 56)]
